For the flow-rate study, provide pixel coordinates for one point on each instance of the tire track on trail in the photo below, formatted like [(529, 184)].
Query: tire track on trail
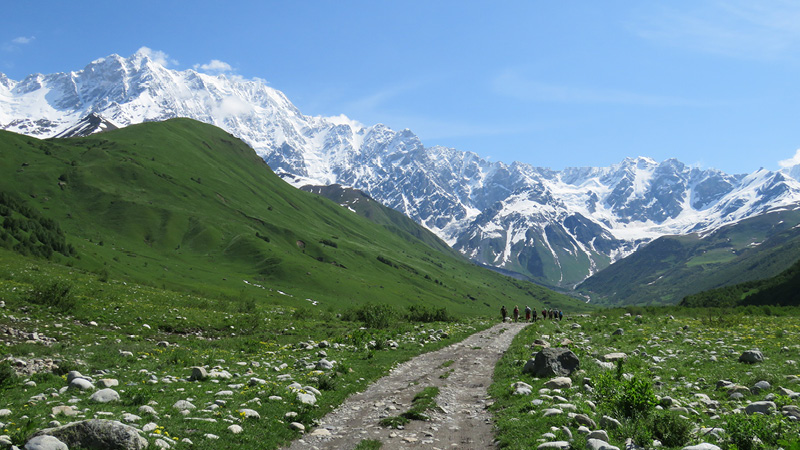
[(465, 422)]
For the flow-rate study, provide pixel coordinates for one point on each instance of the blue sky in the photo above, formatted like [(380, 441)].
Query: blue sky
[(552, 84)]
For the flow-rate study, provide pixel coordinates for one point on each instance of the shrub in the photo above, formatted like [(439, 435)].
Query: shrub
[(420, 313), (755, 431), (671, 429), (7, 375), (57, 294), (373, 316)]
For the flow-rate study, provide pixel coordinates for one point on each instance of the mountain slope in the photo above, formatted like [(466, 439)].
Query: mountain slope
[(672, 267), (186, 205), (781, 290), (554, 227)]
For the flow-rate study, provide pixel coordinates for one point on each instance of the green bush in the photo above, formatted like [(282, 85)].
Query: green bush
[(671, 429), (755, 431), (426, 314), (629, 398), (57, 294), (373, 316), (7, 375)]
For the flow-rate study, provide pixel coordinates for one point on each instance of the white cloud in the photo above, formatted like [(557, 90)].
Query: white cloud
[(22, 40), (215, 66), (157, 56), (791, 162)]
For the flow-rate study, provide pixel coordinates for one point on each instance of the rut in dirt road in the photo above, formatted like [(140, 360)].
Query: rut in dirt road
[(464, 423)]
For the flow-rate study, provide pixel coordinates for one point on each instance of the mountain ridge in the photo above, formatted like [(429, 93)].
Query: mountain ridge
[(553, 227)]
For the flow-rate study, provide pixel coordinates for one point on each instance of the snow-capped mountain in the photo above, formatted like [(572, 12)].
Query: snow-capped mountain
[(557, 227)]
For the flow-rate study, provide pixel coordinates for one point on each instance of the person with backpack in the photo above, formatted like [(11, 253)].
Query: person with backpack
[(516, 313), (527, 313), (504, 313)]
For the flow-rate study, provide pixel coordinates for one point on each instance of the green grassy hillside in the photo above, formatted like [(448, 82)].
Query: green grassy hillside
[(782, 290), (672, 267), (188, 207)]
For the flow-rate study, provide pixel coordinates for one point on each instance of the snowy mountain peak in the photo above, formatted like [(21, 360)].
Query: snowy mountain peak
[(556, 227)]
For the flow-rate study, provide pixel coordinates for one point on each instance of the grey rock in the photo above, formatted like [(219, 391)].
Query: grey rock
[(249, 413), (703, 446), (609, 422), (564, 445), (97, 434), (559, 383), (235, 429), (521, 388), (297, 426), (45, 443), (108, 382), (765, 408), (599, 435), (105, 396), (583, 419), (551, 362), (81, 383), (597, 444), (618, 332), (198, 374), (184, 405), (751, 356), (614, 357)]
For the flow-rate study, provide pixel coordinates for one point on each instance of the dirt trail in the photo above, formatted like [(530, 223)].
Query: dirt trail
[(465, 424)]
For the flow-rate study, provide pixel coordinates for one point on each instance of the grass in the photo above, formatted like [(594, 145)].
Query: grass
[(670, 354), (272, 344), (423, 402), (184, 206)]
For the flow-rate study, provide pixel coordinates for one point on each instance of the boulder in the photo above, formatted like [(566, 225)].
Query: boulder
[(97, 434), (45, 443), (597, 444), (703, 446), (765, 408), (521, 388), (559, 383), (751, 356), (552, 362), (105, 396), (555, 444)]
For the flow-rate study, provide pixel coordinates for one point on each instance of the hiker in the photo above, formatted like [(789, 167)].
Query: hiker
[(504, 313), (527, 313), (544, 314), (560, 315), (516, 313)]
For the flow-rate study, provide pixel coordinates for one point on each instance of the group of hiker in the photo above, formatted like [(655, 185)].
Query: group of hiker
[(531, 314)]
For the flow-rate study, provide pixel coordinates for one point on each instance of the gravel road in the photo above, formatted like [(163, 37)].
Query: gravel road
[(465, 422)]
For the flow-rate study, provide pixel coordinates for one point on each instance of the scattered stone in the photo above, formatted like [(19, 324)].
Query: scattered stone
[(598, 434), (521, 388), (609, 422), (618, 332), (552, 362), (552, 412), (765, 408), (184, 405), (322, 432), (297, 426), (583, 419), (5, 412), (105, 396), (108, 383), (161, 443), (564, 445), (597, 444), (130, 418), (703, 446), (761, 386), (210, 436), (81, 384), (97, 434), (614, 357), (66, 410), (306, 398), (559, 383), (249, 413), (198, 374), (45, 443), (751, 356), (147, 409), (235, 429)]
